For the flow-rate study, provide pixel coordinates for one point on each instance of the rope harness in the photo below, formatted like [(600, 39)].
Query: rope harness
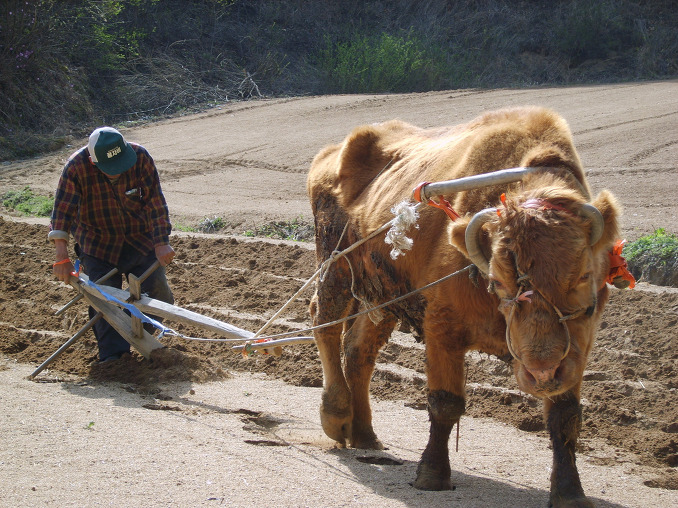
[(526, 289), (524, 293)]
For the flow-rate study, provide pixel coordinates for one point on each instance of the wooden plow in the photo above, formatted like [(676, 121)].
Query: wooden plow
[(111, 303)]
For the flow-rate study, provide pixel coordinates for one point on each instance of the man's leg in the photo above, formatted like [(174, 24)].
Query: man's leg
[(111, 343)]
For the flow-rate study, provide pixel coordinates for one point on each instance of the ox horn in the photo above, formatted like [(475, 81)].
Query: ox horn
[(475, 253), (590, 212)]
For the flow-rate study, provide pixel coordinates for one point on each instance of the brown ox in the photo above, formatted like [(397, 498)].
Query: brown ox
[(542, 259)]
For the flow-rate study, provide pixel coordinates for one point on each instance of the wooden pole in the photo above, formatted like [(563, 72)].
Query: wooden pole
[(167, 311), (122, 323), (67, 344), (135, 293), (80, 332), (78, 297)]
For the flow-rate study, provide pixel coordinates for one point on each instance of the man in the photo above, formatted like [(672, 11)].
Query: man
[(109, 198)]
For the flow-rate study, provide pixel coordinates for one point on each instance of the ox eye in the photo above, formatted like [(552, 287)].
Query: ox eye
[(495, 284)]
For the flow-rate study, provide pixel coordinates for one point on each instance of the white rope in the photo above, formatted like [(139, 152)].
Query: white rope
[(406, 215)]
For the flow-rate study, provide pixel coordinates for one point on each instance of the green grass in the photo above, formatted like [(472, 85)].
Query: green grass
[(28, 203), (177, 226), (660, 247), (400, 62)]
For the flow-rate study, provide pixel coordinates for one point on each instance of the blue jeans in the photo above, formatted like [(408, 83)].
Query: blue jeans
[(155, 286)]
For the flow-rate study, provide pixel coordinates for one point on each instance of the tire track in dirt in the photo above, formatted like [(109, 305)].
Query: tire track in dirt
[(620, 124), (649, 152)]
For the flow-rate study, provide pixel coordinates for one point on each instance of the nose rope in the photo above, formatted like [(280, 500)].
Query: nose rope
[(524, 281)]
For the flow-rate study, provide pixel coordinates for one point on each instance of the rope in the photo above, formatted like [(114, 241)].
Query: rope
[(378, 307), (339, 321)]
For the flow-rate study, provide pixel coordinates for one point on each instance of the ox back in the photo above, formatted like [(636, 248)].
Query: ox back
[(538, 256)]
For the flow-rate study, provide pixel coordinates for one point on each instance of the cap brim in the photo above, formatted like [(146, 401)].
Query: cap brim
[(120, 164)]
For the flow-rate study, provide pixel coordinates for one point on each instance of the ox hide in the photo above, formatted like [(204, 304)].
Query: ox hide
[(538, 260)]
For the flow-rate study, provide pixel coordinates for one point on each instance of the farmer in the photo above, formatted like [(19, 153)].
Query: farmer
[(109, 198)]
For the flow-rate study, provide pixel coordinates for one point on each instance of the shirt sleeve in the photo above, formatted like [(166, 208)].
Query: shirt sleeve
[(66, 201), (158, 210)]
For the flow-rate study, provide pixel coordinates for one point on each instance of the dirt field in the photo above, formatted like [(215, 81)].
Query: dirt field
[(184, 429)]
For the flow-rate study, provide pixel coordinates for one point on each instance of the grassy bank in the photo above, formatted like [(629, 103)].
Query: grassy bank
[(69, 66)]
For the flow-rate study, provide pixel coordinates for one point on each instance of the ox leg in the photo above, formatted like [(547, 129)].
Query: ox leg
[(563, 420), (446, 404), (361, 347), (336, 413)]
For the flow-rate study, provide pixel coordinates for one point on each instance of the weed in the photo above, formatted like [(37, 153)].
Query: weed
[(28, 203), (211, 224), (297, 230), (654, 258), (182, 227), (383, 63)]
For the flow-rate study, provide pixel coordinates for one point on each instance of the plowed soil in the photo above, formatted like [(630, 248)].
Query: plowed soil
[(247, 162)]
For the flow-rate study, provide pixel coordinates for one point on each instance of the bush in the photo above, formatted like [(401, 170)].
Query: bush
[(654, 258), (297, 230), (68, 66), (211, 224)]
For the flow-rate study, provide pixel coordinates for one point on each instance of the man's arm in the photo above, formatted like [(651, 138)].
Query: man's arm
[(159, 215)]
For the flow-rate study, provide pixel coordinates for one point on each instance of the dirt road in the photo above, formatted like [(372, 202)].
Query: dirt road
[(209, 428)]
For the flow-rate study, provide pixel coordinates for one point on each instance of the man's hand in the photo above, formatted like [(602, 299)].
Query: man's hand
[(165, 254), (62, 267)]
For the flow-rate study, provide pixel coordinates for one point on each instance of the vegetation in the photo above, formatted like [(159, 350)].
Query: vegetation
[(211, 224), (297, 230), (654, 258), (67, 66), (661, 244), (27, 202)]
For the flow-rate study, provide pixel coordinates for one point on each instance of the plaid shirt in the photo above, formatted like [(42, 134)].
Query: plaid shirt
[(102, 215)]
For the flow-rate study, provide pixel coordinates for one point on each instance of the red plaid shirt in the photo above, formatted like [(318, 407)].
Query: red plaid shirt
[(102, 215)]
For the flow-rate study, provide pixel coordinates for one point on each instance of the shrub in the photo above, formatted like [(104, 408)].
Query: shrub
[(297, 230), (654, 258), (211, 224)]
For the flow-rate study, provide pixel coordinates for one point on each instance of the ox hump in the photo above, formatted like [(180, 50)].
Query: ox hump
[(365, 153)]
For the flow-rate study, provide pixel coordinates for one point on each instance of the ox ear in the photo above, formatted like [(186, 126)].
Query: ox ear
[(607, 205), (457, 232)]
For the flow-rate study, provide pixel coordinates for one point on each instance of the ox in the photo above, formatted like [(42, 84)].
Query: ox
[(539, 254)]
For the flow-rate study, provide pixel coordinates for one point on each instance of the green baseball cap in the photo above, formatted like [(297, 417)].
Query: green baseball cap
[(110, 152)]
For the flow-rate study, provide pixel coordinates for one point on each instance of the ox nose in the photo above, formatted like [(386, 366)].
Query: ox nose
[(543, 376)]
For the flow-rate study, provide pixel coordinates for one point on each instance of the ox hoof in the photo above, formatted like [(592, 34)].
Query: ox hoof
[(367, 441), (337, 426), (431, 479), (580, 502)]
